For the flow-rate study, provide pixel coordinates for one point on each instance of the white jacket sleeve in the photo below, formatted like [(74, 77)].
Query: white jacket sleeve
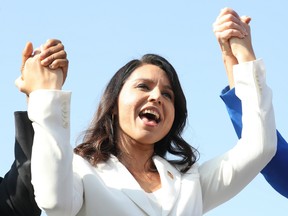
[(58, 191), (224, 176)]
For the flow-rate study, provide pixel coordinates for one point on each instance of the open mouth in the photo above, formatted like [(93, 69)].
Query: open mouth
[(150, 115)]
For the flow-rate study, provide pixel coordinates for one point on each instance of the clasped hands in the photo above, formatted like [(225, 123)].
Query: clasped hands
[(234, 35), (43, 68)]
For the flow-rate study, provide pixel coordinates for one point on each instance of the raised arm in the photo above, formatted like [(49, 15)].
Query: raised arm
[(51, 164), (226, 175), (276, 170), (16, 190)]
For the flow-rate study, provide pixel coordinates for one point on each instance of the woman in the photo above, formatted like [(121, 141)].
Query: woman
[(123, 166)]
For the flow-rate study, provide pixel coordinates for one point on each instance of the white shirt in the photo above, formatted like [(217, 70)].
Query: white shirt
[(155, 199)]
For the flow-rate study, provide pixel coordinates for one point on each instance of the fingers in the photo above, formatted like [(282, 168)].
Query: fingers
[(36, 76), (36, 51), (226, 11), (63, 64), (245, 19), (26, 53), (53, 55), (51, 42), (51, 50), (228, 24), (225, 35)]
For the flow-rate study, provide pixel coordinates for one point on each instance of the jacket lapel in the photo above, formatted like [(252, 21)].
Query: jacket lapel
[(130, 187), (140, 199), (170, 184)]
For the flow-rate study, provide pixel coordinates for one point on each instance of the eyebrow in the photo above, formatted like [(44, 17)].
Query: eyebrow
[(151, 81)]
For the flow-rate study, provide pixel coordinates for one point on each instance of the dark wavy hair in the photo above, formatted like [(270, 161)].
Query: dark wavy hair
[(99, 141)]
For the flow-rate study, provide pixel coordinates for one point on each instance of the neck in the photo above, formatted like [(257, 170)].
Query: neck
[(134, 155), (137, 158), (137, 162)]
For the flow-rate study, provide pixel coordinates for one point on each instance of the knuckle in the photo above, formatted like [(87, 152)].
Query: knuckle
[(49, 42), (52, 57), (48, 52), (52, 42), (229, 24), (61, 46), (63, 53)]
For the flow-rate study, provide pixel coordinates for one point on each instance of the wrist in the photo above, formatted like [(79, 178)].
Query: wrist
[(246, 57)]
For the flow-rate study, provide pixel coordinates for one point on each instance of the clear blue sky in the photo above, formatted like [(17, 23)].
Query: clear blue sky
[(101, 36)]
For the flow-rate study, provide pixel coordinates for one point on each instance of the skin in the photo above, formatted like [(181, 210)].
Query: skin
[(147, 88), (42, 77), (50, 55), (234, 37)]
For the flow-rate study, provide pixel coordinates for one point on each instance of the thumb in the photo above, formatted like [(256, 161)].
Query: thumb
[(26, 53), (245, 19)]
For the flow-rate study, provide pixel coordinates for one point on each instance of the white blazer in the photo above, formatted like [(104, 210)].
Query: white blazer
[(66, 184), (110, 189)]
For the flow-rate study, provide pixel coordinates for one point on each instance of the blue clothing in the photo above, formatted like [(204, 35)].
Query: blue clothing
[(276, 171)]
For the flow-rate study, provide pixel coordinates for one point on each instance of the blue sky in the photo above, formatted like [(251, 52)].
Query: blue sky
[(101, 36)]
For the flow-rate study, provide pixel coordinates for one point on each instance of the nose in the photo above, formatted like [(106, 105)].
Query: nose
[(155, 96)]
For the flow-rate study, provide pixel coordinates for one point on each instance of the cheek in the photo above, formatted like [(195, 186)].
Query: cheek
[(172, 119), (127, 108), (125, 103), (170, 116)]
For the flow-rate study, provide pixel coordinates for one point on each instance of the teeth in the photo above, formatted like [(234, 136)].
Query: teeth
[(152, 112)]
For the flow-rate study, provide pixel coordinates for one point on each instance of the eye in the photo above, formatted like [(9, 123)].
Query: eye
[(143, 86), (168, 95)]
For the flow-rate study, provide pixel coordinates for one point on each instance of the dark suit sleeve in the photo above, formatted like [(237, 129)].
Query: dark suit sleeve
[(276, 171), (16, 190)]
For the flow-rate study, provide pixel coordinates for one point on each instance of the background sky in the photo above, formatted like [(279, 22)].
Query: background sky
[(101, 36)]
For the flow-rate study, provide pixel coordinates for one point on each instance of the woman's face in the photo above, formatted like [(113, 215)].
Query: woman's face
[(146, 105)]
